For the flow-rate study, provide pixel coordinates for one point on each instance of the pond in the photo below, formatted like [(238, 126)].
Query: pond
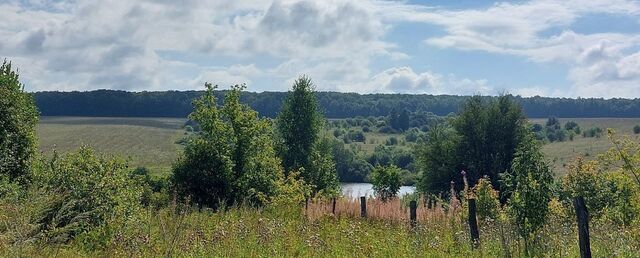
[(355, 190)]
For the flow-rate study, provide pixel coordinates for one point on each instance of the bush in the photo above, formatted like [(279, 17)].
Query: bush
[(85, 191), (387, 129), (366, 129), (487, 201), (392, 141), (636, 129), (18, 120), (355, 136), (386, 182)]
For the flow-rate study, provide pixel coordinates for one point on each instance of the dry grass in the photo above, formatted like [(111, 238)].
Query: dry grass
[(393, 210)]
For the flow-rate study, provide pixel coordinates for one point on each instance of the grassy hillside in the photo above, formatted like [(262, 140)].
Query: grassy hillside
[(148, 142), (561, 153)]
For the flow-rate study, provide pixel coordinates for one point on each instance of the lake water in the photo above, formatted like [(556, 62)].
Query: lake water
[(355, 190)]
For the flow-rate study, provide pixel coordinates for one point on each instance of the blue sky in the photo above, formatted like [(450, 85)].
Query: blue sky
[(548, 48)]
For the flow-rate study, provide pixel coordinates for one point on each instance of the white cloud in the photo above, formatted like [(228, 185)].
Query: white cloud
[(405, 80), (521, 29), (116, 44)]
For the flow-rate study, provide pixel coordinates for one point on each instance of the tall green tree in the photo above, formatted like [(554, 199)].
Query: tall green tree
[(18, 119), (232, 158), (489, 136), (438, 159), (483, 141), (299, 124), (531, 181)]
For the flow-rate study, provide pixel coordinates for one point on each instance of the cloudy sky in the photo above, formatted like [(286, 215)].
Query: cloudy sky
[(563, 48)]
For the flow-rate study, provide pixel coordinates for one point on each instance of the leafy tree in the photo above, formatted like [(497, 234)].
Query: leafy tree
[(232, 158), (299, 124), (386, 181), (437, 158), (489, 135), (18, 119), (531, 180)]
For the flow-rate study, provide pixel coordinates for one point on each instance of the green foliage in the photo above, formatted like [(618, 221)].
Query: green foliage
[(18, 119), (531, 180), (399, 120), (232, 159), (81, 192), (438, 159), (386, 181), (636, 129), (483, 142), (299, 124), (354, 136), (488, 204), (350, 167)]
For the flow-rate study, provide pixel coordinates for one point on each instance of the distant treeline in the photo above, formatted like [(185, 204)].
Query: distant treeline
[(112, 103)]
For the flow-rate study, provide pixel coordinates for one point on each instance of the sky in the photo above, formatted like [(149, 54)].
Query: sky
[(554, 48)]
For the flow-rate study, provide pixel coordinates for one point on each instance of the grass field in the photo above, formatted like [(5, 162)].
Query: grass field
[(150, 142), (562, 153)]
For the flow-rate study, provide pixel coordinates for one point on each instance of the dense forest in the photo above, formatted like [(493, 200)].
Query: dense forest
[(111, 103)]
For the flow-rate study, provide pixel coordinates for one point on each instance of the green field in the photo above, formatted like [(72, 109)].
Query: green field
[(151, 142), (148, 142)]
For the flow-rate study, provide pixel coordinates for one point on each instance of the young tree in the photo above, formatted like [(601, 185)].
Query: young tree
[(489, 135), (299, 124), (386, 181), (531, 180), (232, 158), (437, 157), (18, 119)]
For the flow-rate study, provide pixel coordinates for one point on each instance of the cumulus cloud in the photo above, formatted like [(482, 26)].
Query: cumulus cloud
[(405, 80), (155, 45), (595, 60)]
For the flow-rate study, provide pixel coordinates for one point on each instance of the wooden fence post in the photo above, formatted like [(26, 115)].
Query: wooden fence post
[(363, 206), (333, 206), (582, 215), (473, 224), (413, 206)]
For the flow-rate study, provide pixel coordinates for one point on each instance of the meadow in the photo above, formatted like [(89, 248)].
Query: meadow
[(152, 142)]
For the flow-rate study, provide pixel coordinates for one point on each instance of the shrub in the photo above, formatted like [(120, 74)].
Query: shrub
[(355, 136), (392, 141), (636, 129), (18, 120), (366, 129), (86, 192), (386, 181), (487, 201), (387, 129)]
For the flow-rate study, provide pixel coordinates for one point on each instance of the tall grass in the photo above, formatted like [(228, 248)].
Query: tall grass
[(179, 230)]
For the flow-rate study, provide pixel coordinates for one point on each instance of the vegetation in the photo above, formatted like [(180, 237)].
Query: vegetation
[(229, 196), (231, 159), (386, 182), (18, 119), (530, 181), (113, 103), (482, 141), (299, 124)]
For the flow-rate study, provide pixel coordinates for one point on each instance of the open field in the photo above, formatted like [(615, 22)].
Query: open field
[(562, 153), (148, 142)]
